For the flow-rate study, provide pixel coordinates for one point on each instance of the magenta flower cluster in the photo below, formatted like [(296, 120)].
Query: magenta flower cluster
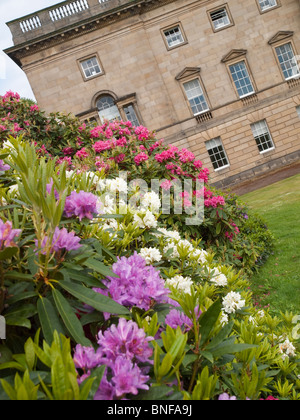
[(121, 349), (8, 235), (136, 285), (82, 205)]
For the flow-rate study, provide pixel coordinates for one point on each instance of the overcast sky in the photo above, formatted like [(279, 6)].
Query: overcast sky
[(11, 76)]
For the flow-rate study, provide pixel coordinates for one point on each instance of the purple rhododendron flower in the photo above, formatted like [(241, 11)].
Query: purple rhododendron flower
[(125, 339), (49, 189), (82, 205), (176, 319), (121, 349), (62, 239), (3, 166), (226, 397), (86, 358), (128, 378), (7, 234), (138, 284)]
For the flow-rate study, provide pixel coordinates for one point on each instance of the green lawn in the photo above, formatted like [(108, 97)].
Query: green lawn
[(278, 282)]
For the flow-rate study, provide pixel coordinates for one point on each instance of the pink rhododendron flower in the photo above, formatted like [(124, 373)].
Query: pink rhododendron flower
[(186, 156), (214, 201), (166, 185), (34, 108), (142, 157), (100, 146), (81, 154), (68, 151)]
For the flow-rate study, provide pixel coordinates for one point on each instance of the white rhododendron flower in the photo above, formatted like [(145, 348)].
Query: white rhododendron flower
[(151, 255), (181, 283), (232, 302)]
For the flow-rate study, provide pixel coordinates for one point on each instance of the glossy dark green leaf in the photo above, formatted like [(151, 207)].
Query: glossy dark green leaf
[(70, 319)]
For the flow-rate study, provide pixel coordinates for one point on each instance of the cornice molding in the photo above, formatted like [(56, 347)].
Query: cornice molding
[(233, 55), (70, 32)]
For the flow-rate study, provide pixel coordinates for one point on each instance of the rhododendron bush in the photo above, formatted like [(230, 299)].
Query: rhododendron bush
[(227, 229), (108, 300)]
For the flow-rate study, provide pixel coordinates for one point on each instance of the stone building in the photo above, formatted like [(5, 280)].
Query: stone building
[(221, 78)]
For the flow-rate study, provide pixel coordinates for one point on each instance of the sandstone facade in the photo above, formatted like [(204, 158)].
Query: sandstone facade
[(194, 71)]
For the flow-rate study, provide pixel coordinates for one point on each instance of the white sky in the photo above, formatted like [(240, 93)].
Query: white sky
[(11, 76)]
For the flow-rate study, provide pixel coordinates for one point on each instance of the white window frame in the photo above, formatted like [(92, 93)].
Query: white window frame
[(167, 36), (215, 144), (95, 67), (292, 60), (110, 110), (266, 5), (132, 113), (260, 130), (192, 97), (248, 76), (174, 39), (219, 23)]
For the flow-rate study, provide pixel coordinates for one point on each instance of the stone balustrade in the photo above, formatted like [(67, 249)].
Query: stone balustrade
[(60, 16)]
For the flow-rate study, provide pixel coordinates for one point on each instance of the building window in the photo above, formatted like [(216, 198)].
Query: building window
[(91, 67), (130, 115), (220, 18), (298, 110), (195, 96), (217, 154), (174, 37), (262, 136), (241, 78), (265, 5), (108, 109), (288, 61)]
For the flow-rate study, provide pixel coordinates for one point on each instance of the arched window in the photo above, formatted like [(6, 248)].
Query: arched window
[(107, 109)]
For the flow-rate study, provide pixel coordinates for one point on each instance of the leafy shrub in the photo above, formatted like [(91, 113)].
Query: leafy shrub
[(101, 303)]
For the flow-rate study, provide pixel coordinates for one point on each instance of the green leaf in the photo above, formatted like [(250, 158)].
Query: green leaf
[(221, 336), (30, 354), (18, 321), (49, 319), (228, 348), (70, 319), (58, 379), (208, 320), (8, 253), (99, 267), (96, 300), (96, 376)]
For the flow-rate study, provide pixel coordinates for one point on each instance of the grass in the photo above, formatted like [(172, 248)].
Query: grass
[(277, 284)]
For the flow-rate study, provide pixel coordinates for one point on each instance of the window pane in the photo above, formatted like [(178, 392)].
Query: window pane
[(217, 153), (267, 4), (174, 36), (220, 18), (107, 109), (298, 111), (131, 115), (195, 96), (287, 61), (262, 136), (241, 79), (91, 67)]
